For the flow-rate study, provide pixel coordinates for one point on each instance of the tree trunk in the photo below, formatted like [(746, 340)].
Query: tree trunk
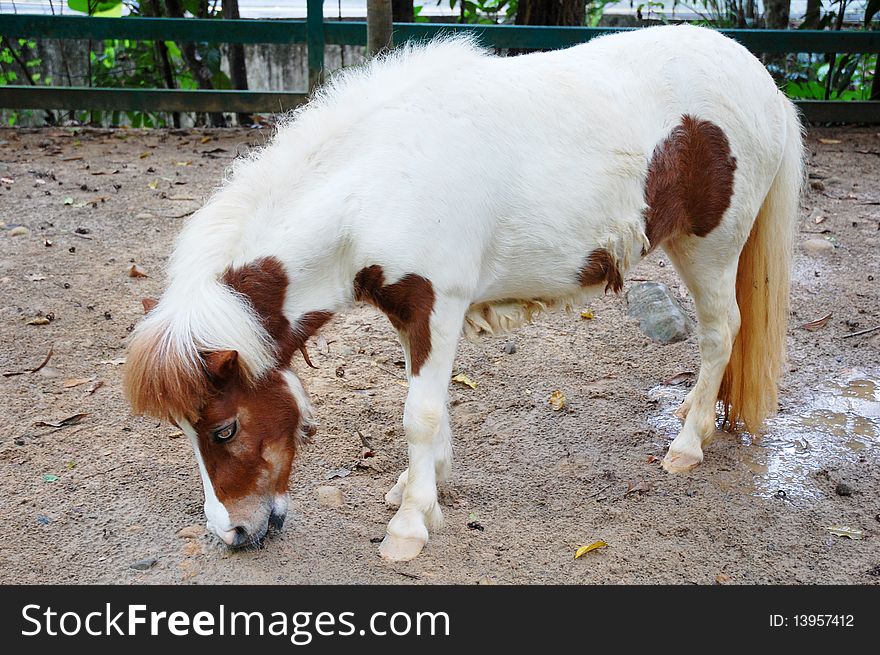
[(154, 8), (551, 12), (379, 27), (875, 85), (813, 14), (199, 69), (402, 11), (777, 14), (237, 63)]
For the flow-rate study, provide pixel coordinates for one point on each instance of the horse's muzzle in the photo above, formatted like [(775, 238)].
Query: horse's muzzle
[(239, 537)]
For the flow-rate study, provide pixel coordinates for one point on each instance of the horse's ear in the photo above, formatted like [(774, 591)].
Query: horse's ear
[(221, 364), (148, 304)]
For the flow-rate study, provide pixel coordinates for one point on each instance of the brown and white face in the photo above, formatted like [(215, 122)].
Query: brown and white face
[(245, 440)]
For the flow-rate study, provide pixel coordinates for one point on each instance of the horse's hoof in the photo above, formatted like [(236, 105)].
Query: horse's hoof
[(401, 549), (681, 462)]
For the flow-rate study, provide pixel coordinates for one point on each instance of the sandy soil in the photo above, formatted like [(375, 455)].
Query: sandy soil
[(81, 503)]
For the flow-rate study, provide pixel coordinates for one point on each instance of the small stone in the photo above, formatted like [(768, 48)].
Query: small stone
[(42, 519), (817, 247), (660, 316), (191, 532), (19, 231), (144, 564), (486, 580), (329, 496), (843, 489), (817, 185), (510, 347), (144, 217), (19, 441)]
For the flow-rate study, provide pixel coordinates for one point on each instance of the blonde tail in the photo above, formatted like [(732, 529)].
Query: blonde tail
[(749, 388)]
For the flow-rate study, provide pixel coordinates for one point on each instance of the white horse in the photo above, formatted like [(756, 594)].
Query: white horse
[(455, 191)]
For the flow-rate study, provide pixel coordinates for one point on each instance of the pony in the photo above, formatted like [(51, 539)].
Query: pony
[(457, 191)]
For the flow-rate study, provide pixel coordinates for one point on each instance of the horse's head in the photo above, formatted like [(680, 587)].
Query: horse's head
[(244, 423)]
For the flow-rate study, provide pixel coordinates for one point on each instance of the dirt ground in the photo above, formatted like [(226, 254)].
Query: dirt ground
[(82, 502)]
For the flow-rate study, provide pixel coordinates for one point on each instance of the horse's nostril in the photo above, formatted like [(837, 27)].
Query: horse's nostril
[(241, 537), (276, 521)]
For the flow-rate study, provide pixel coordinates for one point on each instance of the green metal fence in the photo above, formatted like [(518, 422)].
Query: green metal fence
[(317, 33)]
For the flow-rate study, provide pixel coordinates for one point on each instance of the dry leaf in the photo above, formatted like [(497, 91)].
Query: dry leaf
[(843, 531), (206, 139), (154, 184), (680, 378), (97, 384), (819, 219), (587, 314), (32, 370), (596, 545), (652, 458), (722, 578), (830, 142), (63, 423), (819, 323), (557, 400), (144, 155), (175, 435), (461, 378), (75, 382), (640, 487), (136, 271), (39, 320), (183, 163)]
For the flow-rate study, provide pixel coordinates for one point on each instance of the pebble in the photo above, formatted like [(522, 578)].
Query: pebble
[(660, 316), (191, 532), (817, 247), (144, 217), (329, 496), (19, 231), (843, 489), (143, 564), (510, 347)]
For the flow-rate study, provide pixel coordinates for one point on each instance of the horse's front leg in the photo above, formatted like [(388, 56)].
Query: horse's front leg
[(428, 436)]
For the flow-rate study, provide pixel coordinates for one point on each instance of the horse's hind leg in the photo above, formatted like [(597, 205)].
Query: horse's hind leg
[(708, 266)]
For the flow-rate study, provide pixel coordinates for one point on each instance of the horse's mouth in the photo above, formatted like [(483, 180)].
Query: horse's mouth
[(245, 540)]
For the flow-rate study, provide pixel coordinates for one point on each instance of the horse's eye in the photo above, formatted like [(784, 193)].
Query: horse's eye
[(226, 432)]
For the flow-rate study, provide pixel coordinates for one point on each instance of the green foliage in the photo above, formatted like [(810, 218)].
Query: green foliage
[(485, 12), (848, 77), (105, 8)]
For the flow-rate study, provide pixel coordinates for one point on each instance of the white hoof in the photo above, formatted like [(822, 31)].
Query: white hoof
[(395, 495), (682, 460), (405, 537)]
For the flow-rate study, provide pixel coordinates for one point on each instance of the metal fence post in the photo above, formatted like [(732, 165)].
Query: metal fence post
[(315, 41)]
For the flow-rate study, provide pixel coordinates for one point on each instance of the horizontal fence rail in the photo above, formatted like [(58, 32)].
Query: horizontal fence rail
[(316, 33)]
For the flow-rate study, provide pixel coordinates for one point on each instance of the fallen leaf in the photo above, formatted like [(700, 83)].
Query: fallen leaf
[(183, 163), (640, 487), (154, 184), (337, 473), (206, 139), (114, 362), (97, 384), (830, 142), (587, 314), (680, 378), (557, 400), (819, 323), (39, 320), (461, 378), (50, 478), (843, 531), (722, 578), (63, 423), (652, 458), (32, 370), (144, 155), (136, 271), (75, 382), (175, 435), (596, 545), (819, 219)]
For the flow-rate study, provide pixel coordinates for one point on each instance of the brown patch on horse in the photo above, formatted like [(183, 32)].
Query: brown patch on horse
[(600, 267), (690, 181), (264, 283), (256, 462), (407, 303)]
